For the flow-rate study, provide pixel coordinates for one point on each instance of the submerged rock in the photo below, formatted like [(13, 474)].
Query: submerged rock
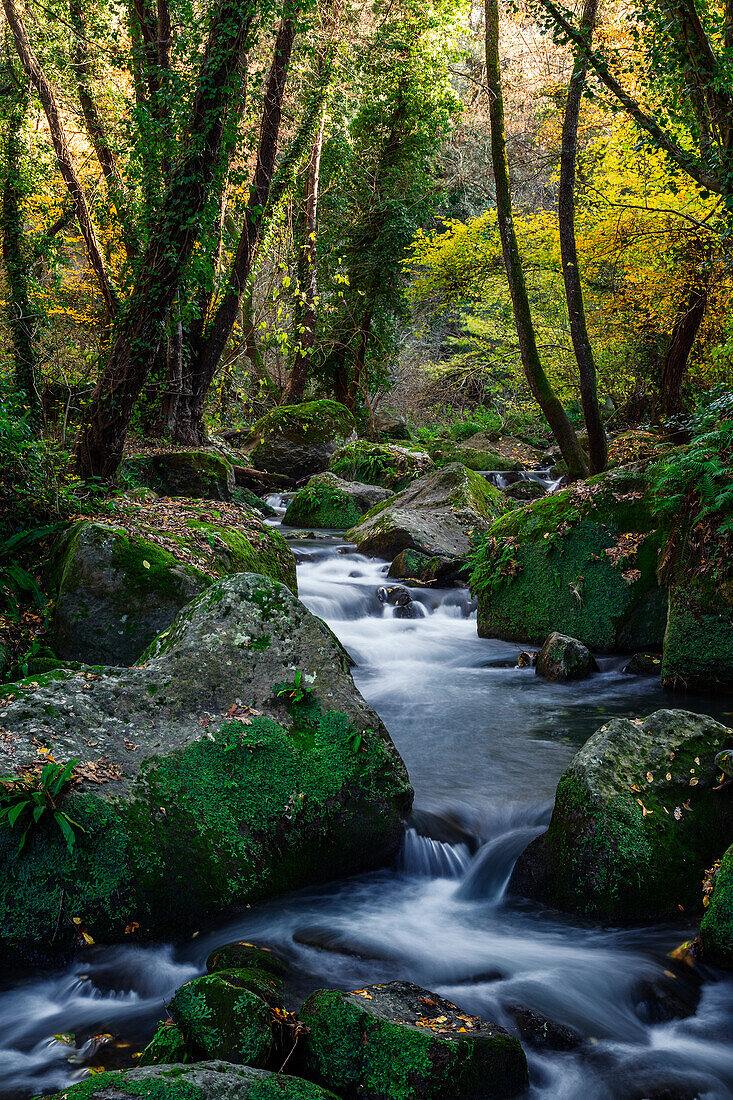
[(636, 821), (563, 658), (192, 474), (327, 501), (644, 664), (398, 1040), (298, 440), (582, 561), (523, 491), (441, 514), (119, 584), (382, 464), (213, 1080), (236, 761), (541, 1032)]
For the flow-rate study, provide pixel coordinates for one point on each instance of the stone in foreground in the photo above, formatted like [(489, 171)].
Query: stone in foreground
[(298, 440), (562, 658), (327, 501), (442, 514), (637, 819), (221, 1016), (236, 761), (400, 1041), (204, 1081)]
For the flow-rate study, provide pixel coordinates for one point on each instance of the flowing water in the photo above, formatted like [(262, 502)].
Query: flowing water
[(484, 742)]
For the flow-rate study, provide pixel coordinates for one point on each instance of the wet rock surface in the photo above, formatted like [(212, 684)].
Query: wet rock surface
[(562, 658)]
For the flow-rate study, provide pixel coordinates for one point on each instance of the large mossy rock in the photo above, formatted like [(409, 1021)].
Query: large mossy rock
[(442, 513), (204, 1081), (716, 930), (193, 474), (562, 658), (122, 580), (636, 821), (383, 464), (698, 642), (400, 1042), (327, 501), (227, 766), (582, 561), (298, 440), (480, 455)]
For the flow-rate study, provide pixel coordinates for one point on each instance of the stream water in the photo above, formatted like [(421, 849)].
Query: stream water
[(484, 743)]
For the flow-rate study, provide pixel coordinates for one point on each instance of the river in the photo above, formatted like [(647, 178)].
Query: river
[(485, 743)]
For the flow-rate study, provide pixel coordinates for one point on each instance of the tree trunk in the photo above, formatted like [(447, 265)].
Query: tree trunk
[(309, 266), (597, 443), (538, 381), (20, 313), (684, 332), (211, 347), (38, 79), (173, 235)]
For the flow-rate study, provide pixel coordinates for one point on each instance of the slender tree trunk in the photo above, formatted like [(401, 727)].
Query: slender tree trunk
[(309, 271), (38, 79), (538, 381), (211, 347), (597, 443), (685, 330), (95, 126), (20, 313), (173, 235)]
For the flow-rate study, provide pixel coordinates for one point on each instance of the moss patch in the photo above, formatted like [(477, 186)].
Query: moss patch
[(716, 930)]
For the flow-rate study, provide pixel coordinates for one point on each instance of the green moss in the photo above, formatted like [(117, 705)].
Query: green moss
[(361, 1053), (103, 1085), (446, 452), (311, 422), (379, 464), (237, 956), (716, 930), (322, 505), (167, 1047), (698, 642), (206, 824), (545, 567), (220, 1017)]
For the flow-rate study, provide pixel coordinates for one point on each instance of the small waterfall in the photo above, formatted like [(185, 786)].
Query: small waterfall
[(490, 870), (421, 855), (501, 478)]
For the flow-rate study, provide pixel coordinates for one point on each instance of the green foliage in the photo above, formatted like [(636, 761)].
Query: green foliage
[(28, 801), (698, 481), (293, 691)]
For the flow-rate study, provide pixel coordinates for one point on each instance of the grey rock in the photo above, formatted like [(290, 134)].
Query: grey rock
[(564, 658)]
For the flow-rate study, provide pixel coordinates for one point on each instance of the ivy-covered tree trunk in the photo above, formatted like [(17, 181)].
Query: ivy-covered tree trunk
[(597, 443), (538, 381), (308, 271), (208, 348), (174, 231), (20, 313)]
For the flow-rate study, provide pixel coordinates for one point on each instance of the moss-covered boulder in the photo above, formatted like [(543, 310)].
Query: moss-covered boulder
[(382, 464), (716, 930), (246, 956), (298, 440), (562, 658), (167, 1047), (122, 580), (636, 821), (214, 1080), (400, 1042), (478, 455), (235, 762), (443, 513), (220, 1016), (388, 425), (582, 561), (327, 501), (203, 475), (698, 642)]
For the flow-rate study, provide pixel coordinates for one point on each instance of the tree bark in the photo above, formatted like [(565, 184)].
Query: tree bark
[(308, 270), (174, 231), (95, 126), (206, 356), (21, 316), (538, 381), (685, 330), (597, 443), (38, 79)]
